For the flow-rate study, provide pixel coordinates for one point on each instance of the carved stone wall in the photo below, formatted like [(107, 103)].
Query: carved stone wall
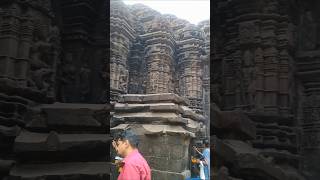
[(29, 50), (83, 60), (53, 52), (307, 36), (264, 64)]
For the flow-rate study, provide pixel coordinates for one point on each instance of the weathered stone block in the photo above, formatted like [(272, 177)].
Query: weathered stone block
[(159, 163), (88, 115), (177, 152), (97, 170), (29, 141), (152, 98), (236, 123), (177, 165), (151, 117)]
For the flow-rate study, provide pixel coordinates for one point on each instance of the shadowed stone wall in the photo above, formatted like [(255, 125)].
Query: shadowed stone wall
[(51, 57), (264, 65)]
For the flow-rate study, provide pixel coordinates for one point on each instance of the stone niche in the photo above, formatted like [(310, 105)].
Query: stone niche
[(165, 127)]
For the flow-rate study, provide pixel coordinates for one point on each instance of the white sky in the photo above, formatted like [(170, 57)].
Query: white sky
[(193, 11)]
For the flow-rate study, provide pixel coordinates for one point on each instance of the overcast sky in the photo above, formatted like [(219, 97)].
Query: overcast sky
[(193, 11)]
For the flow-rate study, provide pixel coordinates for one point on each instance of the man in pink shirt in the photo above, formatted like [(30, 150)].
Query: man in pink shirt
[(135, 166)]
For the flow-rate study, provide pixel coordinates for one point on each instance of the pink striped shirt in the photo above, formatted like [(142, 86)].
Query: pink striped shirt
[(135, 167)]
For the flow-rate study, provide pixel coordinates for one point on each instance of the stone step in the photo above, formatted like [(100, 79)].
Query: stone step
[(121, 108), (151, 129)]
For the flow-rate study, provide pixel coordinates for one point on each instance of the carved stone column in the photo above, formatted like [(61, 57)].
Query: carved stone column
[(121, 37), (189, 66)]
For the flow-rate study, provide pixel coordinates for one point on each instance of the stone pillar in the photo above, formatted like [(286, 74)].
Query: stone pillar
[(165, 126), (159, 53), (205, 59), (84, 43), (121, 37), (189, 66)]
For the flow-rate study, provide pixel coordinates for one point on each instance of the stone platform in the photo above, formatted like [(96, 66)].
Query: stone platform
[(165, 127)]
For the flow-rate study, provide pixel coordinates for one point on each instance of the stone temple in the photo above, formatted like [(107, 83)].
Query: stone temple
[(73, 72), (159, 85)]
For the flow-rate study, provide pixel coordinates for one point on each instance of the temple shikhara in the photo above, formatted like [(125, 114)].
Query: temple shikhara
[(75, 72)]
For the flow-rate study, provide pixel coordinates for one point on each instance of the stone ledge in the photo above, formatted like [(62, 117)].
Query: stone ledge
[(157, 107), (150, 129), (61, 169), (68, 114), (153, 98), (150, 117), (184, 111), (29, 141)]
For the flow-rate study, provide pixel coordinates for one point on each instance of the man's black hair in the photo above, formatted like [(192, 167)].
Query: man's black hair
[(128, 135)]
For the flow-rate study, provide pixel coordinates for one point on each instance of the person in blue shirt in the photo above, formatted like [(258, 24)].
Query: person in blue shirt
[(206, 162)]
